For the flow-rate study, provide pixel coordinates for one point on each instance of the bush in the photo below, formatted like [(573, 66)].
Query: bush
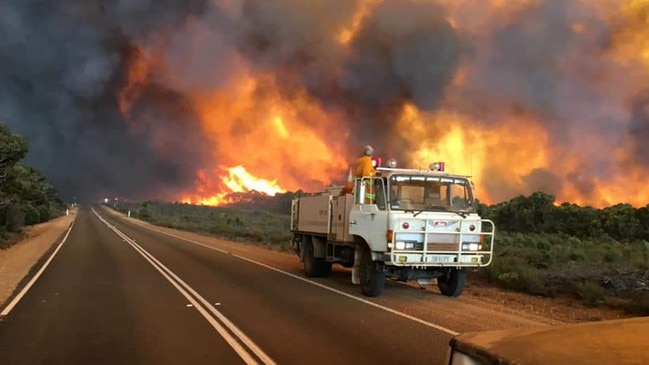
[(524, 280), (43, 213), (514, 273), (218, 229), (591, 292), (3, 236), (638, 304), (14, 218), (143, 214), (32, 215)]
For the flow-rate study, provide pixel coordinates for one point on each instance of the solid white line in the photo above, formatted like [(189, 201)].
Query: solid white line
[(387, 309), (22, 293), (245, 356), (185, 289)]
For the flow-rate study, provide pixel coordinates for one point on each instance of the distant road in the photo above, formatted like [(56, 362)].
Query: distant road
[(117, 293)]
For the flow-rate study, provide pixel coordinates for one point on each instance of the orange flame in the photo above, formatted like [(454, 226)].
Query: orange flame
[(136, 79), (346, 34), (238, 180), (276, 141), (270, 137)]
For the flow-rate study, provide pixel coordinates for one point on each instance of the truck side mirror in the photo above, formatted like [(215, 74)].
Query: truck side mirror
[(360, 191)]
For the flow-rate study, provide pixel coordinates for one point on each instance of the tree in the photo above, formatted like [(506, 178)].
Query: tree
[(26, 197), (642, 215), (620, 222), (525, 214), (576, 221), (12, 149)]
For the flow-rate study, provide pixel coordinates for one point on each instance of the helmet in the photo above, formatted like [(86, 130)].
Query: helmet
[(368, 150)]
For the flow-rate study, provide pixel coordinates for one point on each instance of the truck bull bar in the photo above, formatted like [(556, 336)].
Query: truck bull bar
[(430, 246)]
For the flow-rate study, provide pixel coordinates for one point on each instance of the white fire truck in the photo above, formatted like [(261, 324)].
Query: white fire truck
[(402, 224)]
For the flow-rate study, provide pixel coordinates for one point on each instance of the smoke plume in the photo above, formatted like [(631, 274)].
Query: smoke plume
[(165, 98), (62, 66)]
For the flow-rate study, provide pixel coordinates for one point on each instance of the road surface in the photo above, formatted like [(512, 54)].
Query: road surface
[(121, 292)]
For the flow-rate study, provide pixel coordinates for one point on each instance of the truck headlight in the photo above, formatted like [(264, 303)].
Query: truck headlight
[(400, 245), (410, 245)]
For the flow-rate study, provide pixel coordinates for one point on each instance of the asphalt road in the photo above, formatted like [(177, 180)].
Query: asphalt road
[(117, 293)]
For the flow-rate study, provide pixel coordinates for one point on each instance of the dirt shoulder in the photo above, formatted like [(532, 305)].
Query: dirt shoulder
[(18, 260)]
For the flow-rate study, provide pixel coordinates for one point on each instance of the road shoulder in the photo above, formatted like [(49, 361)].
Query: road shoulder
[(17, 261)]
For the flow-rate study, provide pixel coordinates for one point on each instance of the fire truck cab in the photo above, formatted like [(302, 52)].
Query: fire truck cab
[(401, 224)]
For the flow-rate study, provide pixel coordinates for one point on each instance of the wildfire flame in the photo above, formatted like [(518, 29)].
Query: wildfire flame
[(532, 102), (238, 180)]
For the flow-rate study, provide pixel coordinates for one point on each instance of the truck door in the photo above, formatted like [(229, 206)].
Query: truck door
[(368, 218)]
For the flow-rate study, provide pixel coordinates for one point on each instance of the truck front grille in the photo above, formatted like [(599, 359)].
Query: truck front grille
[(442, 247)]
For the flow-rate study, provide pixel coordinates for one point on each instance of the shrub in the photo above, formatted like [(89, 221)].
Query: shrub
[(31, 215), (143, 214), (3, 237), (43, 213), (638, 304), (218, 229), (514, 273), (591, 292)]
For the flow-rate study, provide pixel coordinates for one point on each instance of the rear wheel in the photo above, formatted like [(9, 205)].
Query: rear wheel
[(452, 282), (371, 274), (314, 266)]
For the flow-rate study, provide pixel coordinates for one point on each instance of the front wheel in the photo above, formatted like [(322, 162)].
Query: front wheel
[(452, 282), (371, 274)]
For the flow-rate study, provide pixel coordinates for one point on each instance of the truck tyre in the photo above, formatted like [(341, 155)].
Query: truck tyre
[(325, 270), (314, 267), (452, 282), (371, 274)]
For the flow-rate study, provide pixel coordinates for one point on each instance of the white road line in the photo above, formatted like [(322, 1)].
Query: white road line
[(387, 309), (242, 352), (185, 290), (22, 293)]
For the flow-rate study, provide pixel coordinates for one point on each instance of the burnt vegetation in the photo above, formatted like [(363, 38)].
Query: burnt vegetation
[(597, 256)]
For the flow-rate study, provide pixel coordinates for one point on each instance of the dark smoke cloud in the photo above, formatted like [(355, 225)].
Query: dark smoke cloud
[(404, 51), (548, 61), (278, 36), (639, 129), (536, 61), (64, 63), (583, 183), (543, 180), (62, 66)]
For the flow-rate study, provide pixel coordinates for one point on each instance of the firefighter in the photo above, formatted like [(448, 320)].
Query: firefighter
[(364, 168), (364, 163)]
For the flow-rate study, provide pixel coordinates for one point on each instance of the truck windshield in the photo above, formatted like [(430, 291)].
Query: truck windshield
[(430, 193)]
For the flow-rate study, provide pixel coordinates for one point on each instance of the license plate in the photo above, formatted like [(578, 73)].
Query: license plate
[(441, 258)]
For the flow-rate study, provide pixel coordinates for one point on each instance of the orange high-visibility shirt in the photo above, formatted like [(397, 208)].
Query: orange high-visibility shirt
[(364, 167)]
